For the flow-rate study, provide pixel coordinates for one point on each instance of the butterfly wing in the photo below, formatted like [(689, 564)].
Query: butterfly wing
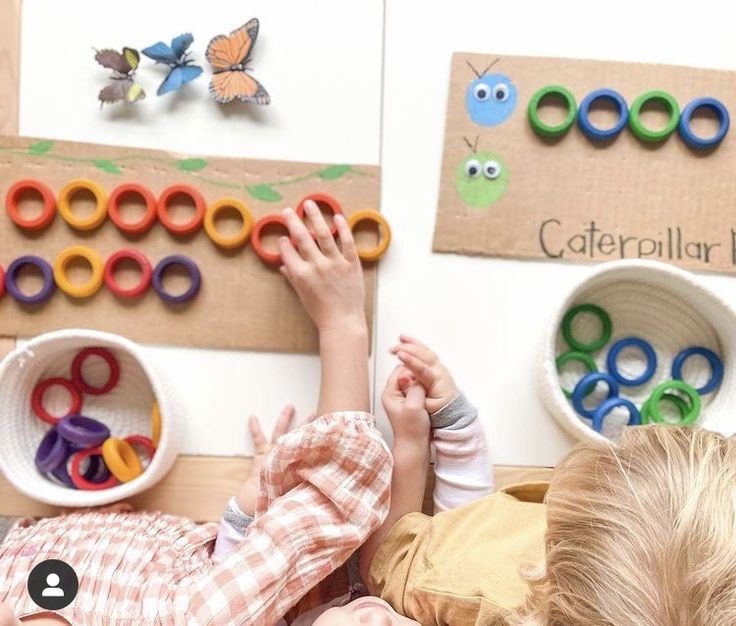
[(179, 76), (161, 53), (115, 91), (180, 44), (225, 51), (135, 93), (228, 86), (132, 57), (112, 59)]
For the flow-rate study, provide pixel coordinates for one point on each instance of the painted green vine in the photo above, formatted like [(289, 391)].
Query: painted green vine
[(193, 166)]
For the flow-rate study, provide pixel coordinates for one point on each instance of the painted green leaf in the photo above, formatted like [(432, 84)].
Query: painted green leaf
[(333, 172), (40, 147), (107, 166), (191, 165), (264, 192)]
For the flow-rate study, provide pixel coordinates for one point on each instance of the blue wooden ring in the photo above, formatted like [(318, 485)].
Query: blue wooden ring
[(703, 143), (608, 405), (583, 388), (716, 367), (649, 353), (11, 279), (603, 134)]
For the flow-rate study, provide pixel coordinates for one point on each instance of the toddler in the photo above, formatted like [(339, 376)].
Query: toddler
[(635, 533), (323, 489)]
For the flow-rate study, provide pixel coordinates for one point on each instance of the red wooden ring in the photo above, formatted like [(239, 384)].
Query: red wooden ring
[(144, 442), (2, 281), (78, 379), (80, 482), (49, 204), (128, 254), (272, 258), (37, 399), (320, 198), (148, 219), (200, 207)]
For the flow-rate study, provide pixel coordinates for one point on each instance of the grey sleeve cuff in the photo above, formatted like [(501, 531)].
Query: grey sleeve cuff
[(456, 414), (235, 517)]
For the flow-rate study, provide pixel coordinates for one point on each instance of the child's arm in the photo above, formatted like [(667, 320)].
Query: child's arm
[(404, 402), (329, 283), (241, 507), (462, 462)]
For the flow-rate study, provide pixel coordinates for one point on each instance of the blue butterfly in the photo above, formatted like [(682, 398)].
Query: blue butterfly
[(177, 58)]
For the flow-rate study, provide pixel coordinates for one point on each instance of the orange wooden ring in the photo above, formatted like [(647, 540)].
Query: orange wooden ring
[(384, 234), (320, 199), (237, 240), (272, 258), (49, 204), (65, 204), (148, 219), (199, 209)]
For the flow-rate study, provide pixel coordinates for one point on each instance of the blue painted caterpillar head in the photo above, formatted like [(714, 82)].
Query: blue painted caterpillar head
[(491, 98)]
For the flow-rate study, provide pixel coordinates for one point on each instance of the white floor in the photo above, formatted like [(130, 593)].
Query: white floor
[(322, 63)]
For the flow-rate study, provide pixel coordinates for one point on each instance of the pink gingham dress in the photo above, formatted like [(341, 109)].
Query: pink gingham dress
[(324, 489)]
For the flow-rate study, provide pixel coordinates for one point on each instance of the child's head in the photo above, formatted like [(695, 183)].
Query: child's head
[(641, 533)]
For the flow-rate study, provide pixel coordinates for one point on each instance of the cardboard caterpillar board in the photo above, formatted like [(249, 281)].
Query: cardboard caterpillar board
[(243, 304), (570, 198)]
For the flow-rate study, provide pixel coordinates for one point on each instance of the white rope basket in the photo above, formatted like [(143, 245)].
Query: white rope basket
[(665, 306), (126, 410)]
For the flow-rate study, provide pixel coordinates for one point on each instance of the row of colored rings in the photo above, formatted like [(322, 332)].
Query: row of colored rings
[(57, 276), (159, 208), (632, 116), (111, 460)]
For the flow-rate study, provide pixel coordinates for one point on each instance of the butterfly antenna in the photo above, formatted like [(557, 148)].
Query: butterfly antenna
[(472, 146), (472, 69), (485, 71)]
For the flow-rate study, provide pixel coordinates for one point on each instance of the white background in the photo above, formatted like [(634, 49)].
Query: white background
[(322, 63)]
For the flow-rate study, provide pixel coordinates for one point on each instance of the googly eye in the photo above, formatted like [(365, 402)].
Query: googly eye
[(491, 169), (482, 92), (501, 92), (473, 168)]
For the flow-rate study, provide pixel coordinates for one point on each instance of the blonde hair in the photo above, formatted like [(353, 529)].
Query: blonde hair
[(640, 533)]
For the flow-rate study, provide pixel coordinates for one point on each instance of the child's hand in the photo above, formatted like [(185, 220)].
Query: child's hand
[(327, 279), (248, 494), (427, 370), (404, 401)]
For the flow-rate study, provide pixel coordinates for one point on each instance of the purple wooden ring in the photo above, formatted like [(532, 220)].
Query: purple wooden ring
[(194, 275), (11, 279), (53, 451), (83, 431)]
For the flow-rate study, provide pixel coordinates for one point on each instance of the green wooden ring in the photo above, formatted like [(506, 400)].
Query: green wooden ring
[(593, 345), (646, 134), (658, 394), (581, 357), (545, 130), (681, 406)]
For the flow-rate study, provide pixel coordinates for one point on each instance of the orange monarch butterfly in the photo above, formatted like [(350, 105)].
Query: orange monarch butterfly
[(229, 55)]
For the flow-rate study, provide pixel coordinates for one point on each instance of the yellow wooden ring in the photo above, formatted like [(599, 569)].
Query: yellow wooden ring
[(369, 215), (65, 208), (237, 240), (121, 459), (155, 424), (61, 264)]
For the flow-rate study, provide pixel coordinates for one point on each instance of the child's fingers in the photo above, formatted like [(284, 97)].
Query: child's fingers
[(260, 444), (289, 256), (347, 243), (393, 387), (283, 422), (419, 368), (304, 243), (415, 396), (417, 348), (324, 236)]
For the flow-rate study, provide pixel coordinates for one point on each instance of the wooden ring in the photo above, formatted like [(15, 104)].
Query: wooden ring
[(271, 258), (121, 459), (49, 204), (140, 259), (320, 199), (149, 217), (65, 209), (61, 265), (199, 209), (369, 215), (80, 482), (237, 240)]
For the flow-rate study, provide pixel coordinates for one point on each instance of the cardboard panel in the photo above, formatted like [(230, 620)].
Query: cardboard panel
[(9, 65), (243, 303), (574, 200)]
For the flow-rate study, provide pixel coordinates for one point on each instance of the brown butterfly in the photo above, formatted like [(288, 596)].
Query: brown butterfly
[(124, 65)]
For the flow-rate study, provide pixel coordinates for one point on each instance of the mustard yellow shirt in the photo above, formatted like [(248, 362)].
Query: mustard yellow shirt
[(462, 567)]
